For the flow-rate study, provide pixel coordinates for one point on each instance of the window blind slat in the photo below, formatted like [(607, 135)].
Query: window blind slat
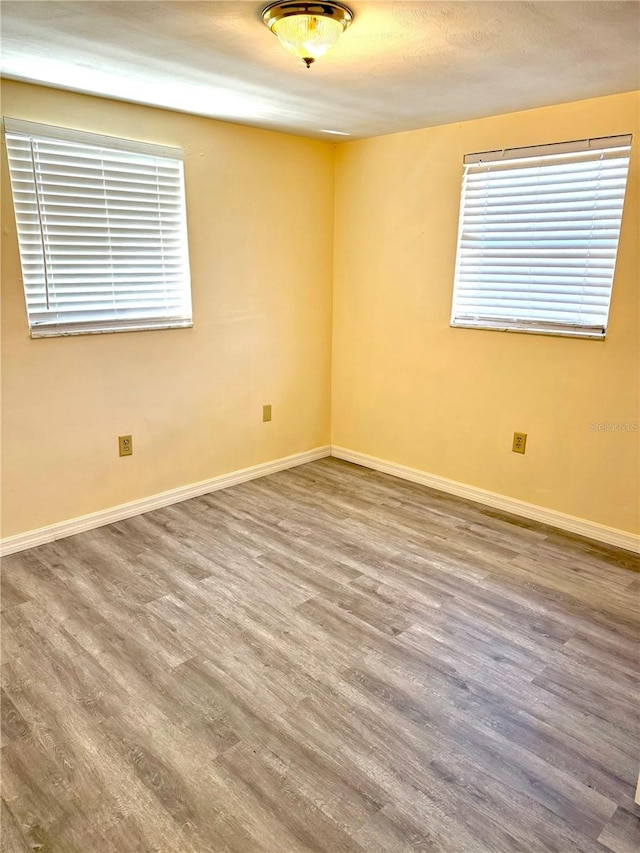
[(538, 238)]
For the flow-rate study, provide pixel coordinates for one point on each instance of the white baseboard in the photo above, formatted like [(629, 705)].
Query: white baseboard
[(22, 541), (570, 523)]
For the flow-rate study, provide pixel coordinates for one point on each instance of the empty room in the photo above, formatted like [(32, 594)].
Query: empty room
[(320, 446)]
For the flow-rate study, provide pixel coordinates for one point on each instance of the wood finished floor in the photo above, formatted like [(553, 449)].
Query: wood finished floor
[(326, 659)]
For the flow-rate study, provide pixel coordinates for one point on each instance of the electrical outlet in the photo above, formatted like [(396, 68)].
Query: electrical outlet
[(266, 413), (125, 445), (519, 442)]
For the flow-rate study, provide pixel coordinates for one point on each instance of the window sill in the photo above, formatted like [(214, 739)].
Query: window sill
[(44, 332), (560, 332)]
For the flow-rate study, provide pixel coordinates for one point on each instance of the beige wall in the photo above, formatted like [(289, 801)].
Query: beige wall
[(260, 216), (406, 387), (411, 390)]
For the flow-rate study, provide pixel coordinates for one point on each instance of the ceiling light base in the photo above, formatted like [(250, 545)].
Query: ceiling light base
[(274, 12)]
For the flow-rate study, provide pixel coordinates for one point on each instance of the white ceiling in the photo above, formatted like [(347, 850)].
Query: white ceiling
[(400, 66)]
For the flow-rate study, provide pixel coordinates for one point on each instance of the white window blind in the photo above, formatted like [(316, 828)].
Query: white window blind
[(101, 229), (538, 237)]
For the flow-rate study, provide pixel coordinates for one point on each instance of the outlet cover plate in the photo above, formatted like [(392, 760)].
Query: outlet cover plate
[(125, 445), (519, 442)]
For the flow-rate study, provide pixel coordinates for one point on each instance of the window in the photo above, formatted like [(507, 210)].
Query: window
[(101, 229), (538, 237)]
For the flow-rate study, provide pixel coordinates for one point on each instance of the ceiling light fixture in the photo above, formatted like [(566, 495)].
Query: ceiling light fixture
[(307, 30)]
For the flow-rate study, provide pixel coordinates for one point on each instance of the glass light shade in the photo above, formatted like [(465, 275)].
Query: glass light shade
[(308, 36)]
